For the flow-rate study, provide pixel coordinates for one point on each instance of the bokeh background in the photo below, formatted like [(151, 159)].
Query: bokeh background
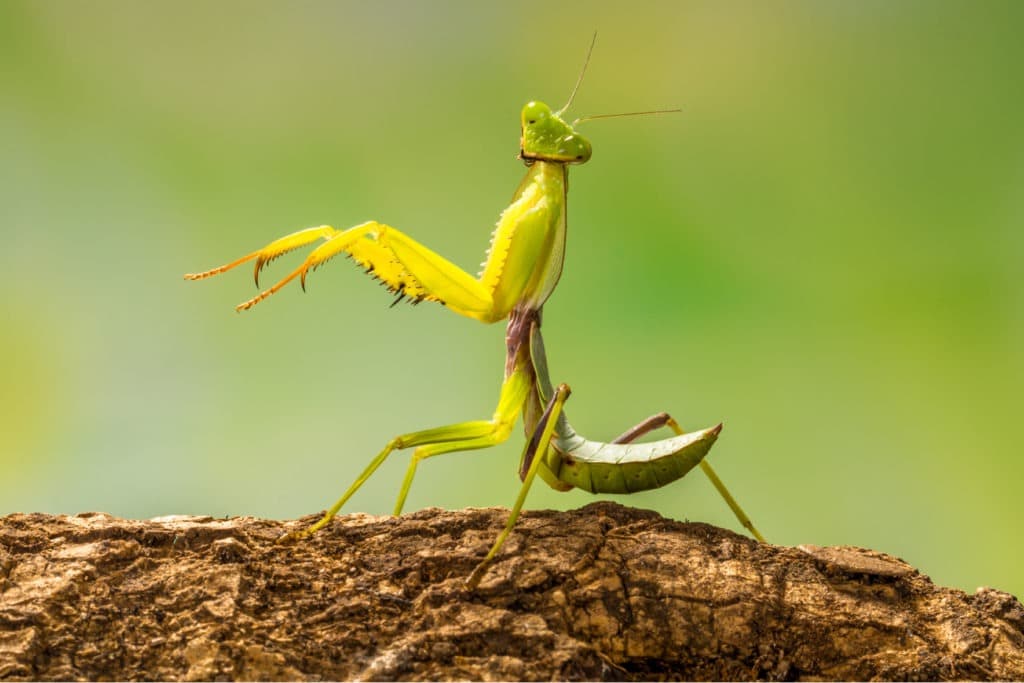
[(824, 250)]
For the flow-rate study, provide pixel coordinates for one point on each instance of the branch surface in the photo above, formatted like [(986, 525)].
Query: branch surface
[(604, 592)]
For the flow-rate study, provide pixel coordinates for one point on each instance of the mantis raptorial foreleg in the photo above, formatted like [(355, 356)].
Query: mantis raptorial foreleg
[(665, 420), (404, 265), (278, 247), (462, 436), (539, 444)]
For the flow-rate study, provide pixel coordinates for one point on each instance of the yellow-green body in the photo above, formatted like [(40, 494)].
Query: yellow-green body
[(524, 261), (523, 266)]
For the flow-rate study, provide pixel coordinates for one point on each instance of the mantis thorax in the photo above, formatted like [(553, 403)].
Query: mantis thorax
[(546, 137)]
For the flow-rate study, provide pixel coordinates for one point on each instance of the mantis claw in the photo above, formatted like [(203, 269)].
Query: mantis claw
[(287, 537), (294, 536), (261, 262), (473, 580), (220, 269)]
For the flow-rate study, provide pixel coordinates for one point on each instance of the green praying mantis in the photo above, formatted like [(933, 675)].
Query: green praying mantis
[(522, 267)]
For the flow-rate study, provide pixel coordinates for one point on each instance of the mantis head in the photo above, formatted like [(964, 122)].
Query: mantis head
[(547, 137)]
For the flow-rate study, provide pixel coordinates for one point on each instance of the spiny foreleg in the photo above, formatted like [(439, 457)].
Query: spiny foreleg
[(404, 266), (275, 249), (338, 241)]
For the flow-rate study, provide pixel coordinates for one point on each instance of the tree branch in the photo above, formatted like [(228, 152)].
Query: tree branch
[(604, 592)]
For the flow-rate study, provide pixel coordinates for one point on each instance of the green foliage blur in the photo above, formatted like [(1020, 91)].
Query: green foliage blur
[(823, 251)]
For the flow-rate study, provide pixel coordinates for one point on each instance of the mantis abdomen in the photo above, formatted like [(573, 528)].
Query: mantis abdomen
[(627, 468), (571, 461)]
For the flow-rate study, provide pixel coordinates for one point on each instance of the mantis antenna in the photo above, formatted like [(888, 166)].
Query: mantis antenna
[(579, 80), (630, 113)]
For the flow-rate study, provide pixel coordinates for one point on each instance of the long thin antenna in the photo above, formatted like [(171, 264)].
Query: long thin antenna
[(630, 113), (580, 79)]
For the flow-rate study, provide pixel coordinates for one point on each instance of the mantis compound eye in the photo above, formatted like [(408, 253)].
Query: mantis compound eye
[(535, 113), (574, 148)]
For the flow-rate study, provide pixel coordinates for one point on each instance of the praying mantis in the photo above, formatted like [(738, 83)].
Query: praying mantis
[(522, 267)]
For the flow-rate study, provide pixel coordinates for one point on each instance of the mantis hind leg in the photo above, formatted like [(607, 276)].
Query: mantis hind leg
[(665, 420)]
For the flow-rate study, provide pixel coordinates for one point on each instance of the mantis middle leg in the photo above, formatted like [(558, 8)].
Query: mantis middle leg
[(534, 453), (493, 432), (462, 436), (665, 420)]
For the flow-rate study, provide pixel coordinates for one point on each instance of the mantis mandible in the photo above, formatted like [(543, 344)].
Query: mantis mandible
[(522, 267)]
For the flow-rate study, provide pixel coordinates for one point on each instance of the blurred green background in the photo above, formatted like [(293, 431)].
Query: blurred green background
[(824, 251)]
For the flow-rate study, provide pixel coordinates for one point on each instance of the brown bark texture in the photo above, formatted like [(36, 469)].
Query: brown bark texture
[(604, 592)]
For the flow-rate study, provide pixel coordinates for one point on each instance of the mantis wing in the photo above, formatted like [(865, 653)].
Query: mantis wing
[(598, 467)]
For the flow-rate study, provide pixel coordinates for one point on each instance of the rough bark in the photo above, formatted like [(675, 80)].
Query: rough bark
[(604, 592)]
